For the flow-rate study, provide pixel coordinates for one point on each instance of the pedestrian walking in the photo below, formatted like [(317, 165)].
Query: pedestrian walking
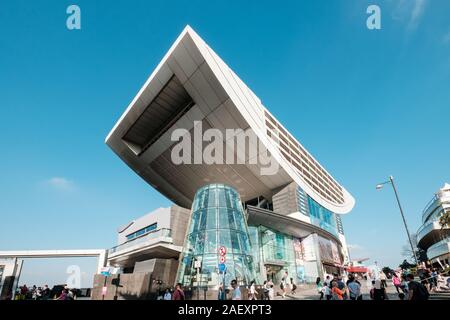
[(319, 286), (416, 290), (271, 290), (327, 280), (341, 286), (221, 294), (433, 282), (378, 291), (63, 295), (354, 288), (404, 284), (266, 288), (167, 295), (283, 285), (178, 294), (396, 282), (252, 292), (383, 279), (46, 292), (337, 294), (326, 292), (293, 287), (236, 293)]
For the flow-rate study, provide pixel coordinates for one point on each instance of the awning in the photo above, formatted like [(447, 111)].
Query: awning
[(357, 269)]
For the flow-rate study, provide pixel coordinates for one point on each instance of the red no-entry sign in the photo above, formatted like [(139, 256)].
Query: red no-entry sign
[(222, 251)]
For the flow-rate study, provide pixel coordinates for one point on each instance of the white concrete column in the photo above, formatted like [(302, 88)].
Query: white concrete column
[(101, 260)]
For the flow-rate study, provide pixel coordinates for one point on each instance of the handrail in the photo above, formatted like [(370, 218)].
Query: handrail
[(429, 203), (163, 232), (439, 243), (425, 225)]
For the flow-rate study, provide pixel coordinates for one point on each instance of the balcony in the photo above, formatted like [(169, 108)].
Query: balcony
[(161, 235), (439, 248), (441, 198), (152, 245), (431, 232)]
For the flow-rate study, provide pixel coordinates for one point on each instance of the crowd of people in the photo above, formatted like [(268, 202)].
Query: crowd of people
[(176, 293), (44, 293), (335, 287), (434, 279)]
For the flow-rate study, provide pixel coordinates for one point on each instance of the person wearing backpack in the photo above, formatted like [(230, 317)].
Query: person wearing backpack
[(416, 290)]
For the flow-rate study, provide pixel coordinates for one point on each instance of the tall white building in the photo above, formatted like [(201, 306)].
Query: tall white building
[(293, 212), (431, 236)]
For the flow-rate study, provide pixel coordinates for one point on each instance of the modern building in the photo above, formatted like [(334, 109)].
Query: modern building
[(431, 236), (158, 234), (291, 203), (146, 256), (10, 269)]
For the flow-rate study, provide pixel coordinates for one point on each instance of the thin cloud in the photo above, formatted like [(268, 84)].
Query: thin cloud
[(446, 38), (60, 183), (417, 12), (409, 11), (354, 246)]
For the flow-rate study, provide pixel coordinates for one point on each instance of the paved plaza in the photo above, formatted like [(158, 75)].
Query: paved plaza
[(307, 292)]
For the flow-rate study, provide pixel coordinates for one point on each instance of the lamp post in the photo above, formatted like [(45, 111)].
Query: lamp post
[(391, 182)]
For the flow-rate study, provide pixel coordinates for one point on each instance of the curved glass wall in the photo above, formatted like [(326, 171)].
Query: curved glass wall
[(217, 220), (319, 216)]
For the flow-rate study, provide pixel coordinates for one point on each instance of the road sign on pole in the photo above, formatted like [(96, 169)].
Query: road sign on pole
[(222, 267), (222, 251), (106, 271), (222, 259)]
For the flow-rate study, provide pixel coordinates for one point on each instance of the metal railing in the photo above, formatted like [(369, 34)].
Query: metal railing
[(432, 225), (433, 252), (160, 233), (438, 199)]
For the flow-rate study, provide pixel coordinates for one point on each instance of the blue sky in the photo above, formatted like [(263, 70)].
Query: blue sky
[(365, 103)]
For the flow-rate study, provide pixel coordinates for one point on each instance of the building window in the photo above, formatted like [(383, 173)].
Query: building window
[(319, 216), (142, 231)]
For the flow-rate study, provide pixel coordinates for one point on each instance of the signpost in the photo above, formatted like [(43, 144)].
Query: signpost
[(104, 289), (222, 266), (106, 272), (198, 265)]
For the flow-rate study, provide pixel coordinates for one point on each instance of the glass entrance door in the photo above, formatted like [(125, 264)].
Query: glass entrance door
[(274, 273)]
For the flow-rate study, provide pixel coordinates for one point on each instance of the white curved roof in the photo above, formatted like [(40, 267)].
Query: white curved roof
[(220, 99)]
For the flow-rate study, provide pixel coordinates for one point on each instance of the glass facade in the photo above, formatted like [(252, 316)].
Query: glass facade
[(217, 220), (276, 253), (319, 216), (277, 250)]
